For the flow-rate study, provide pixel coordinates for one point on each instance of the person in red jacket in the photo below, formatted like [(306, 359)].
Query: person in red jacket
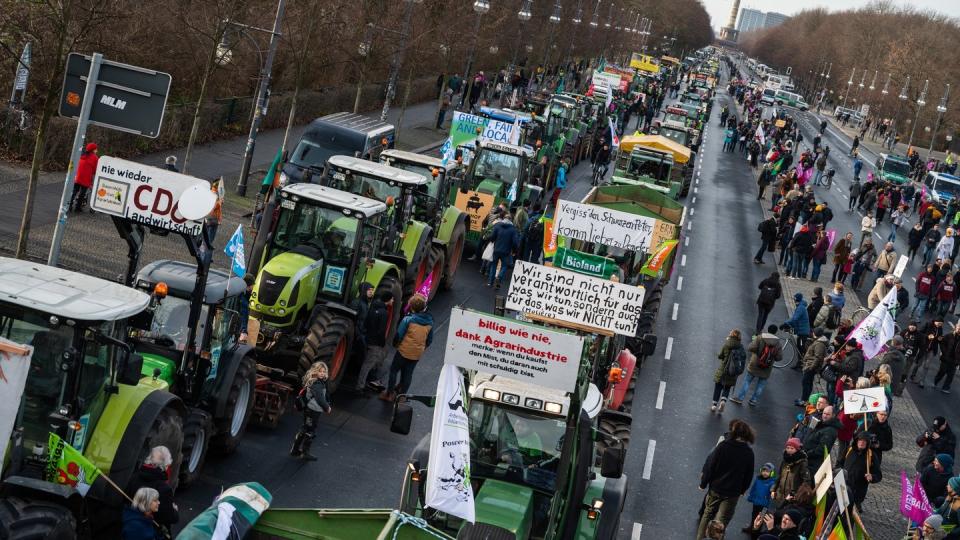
[(924, 290), (82, 183), (946, 293)]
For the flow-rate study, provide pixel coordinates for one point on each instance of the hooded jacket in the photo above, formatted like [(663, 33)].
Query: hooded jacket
[(87, 166), (505, 238), (793, 473), (760, 489), (816, 352), (728, 469), (414, 335), (362, 306), (822, 437), (766, 341), (934, 482), (852, 364), (375, 325), (800, 321), (897, 361)]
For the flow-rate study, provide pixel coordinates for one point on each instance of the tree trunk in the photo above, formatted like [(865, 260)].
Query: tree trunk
[(211, 65), (406, 98)]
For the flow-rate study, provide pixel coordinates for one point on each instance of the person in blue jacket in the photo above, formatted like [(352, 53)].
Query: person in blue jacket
[(506, 241), (759, 494), (799, 322)]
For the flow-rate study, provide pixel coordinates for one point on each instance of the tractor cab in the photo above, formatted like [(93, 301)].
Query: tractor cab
[(500, 170), (441, 176)]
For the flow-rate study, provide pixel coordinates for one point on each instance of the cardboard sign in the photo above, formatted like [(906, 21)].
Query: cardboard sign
[(467, 128), (901, 266), (148, 195), (843, 495), (14, 369), (476, 205), (864, 400), (606, 81), (575, 298), (604, 226), (823, 478), (517, 350)]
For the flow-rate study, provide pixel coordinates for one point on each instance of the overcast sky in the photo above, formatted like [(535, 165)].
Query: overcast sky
[(720, 9)]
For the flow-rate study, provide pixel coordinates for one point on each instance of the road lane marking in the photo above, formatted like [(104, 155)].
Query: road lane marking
[(648, 463), (669, 351), (692, 210), (676, 306), (696, 190), (683, 260), (693, 200), (878, 236), (663, 388), (686, 241), (637, 529), (680, 283)]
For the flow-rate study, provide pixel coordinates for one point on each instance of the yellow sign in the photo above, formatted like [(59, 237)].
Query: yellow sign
[(644, 62), (780, 123), (477, 205)]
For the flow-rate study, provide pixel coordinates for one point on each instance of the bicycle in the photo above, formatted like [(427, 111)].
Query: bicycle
[(789, 351), (599, 171)]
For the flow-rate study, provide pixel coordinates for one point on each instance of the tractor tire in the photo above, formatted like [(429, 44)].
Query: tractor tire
[(395, 311), (239, 408), (328, 340), (615, 428), (197, 433), (454, 255), (417, 270), (22, 519), (437, 266), (167, 430)]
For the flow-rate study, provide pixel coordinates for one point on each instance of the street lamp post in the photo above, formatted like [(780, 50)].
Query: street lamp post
[(263, 96), (554, 19), (941, 109), (849, 85), (523, 15), (895, 126), (920, 103), (481, 7)]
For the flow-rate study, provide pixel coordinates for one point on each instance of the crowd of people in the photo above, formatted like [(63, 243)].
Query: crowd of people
[(782, 490)]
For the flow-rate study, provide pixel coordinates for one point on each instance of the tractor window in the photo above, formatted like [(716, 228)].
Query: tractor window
[(317, 228), (226, 324), (433, 186), (497, 166), (97, 362), (170, 322)]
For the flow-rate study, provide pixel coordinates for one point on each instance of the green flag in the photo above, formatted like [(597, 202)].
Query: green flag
[(69, 467)]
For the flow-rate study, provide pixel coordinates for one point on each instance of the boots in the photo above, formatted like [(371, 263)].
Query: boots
[(296, 449), (305, 449)]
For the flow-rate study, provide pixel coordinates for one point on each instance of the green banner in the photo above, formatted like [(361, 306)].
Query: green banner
[(585, 263)]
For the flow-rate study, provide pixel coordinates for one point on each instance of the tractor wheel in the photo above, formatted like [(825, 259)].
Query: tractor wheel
[(417, 271), (455, 249), (437, 265), (197, 432), (395, 311), (167, 430), (22, 519), (615, 428), (328, 340), (239, 406)]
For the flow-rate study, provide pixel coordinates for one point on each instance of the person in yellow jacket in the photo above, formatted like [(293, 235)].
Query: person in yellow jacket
[(413, 336)]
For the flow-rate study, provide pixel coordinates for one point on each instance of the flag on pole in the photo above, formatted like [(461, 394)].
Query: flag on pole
[(759, 135), (838, 533), (821, 513), (655, 261), (234, 250), (448, 477), (878, 327), (614, 140), (69, 467)]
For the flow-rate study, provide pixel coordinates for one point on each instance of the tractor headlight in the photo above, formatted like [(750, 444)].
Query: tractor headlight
[(282, 311)]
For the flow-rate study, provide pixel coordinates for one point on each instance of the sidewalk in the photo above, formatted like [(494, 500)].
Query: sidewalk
[(876, 146), (92, 245)]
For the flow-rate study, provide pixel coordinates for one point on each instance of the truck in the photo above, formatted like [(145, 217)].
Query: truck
[(339, 133), (892, 168), (942, 187), (449, 222), (84, 385), (324, 243), (656, 161)]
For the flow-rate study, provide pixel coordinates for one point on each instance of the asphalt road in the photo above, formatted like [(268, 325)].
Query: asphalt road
[(711, 292)]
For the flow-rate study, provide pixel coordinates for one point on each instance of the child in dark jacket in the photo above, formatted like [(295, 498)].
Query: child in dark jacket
[(759, 493)]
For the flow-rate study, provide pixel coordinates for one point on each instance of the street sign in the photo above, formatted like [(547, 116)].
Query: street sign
[(23, 70), (126, 98)]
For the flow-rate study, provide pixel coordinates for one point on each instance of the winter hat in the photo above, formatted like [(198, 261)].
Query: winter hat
[(935, 521), (91, 147), (939, 421), (954, 484), (796, 516), (768, 467), (797, 297), (897, 341), (794, 442), (946, 461)]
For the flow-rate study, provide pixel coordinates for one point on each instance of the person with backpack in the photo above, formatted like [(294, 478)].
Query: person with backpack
[(312, 400), (799, 322), (770, 291), (533, 234), (413, 336), (764, 350), (768, 238), (812, 364), (733, 360)]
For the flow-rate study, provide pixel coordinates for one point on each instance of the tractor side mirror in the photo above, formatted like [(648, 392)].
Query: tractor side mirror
[(611, 461), (402, 418), (131, 367)]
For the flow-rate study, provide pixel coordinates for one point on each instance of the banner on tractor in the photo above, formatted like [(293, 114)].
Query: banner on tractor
[(585, 263), (467, 128), (575, 298), (448, 477), (477, 206), (14, 368), (151, 196), (69, 467), (612, 228), (513, 349), (654, 265)]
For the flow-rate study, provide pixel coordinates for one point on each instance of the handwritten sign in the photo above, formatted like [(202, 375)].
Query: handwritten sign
[(575, 298), (864, 400), (605, 226), (516, 350), (476, 205), (823, 478), (14, 369)]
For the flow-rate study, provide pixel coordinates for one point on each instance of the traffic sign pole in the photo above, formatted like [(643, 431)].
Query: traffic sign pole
[(78, 141)]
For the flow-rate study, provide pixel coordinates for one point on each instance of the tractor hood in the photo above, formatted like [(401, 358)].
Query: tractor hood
[(506, 506), (493, 187), (286, 281)]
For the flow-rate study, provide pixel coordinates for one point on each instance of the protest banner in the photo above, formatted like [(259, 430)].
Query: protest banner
[(476, 205), (14, 368), (514, 349), (467, 127), (913, 500), (605, 226), (864, 400), (575, 298), (448, 478)]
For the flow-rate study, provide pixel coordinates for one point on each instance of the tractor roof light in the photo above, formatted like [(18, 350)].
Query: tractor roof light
[(160, 290)]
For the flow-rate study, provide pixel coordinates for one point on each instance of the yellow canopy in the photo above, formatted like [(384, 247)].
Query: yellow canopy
[(681, 154)]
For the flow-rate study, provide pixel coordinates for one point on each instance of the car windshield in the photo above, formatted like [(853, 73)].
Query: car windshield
[(896, 167), (497, 165), (515, 445), (169, 324), (311, 227), (312, 153), (947, 187), (769, 92)]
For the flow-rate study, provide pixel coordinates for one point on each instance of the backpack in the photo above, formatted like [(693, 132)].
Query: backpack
[(765, 358), (833, 318), (736, 361)]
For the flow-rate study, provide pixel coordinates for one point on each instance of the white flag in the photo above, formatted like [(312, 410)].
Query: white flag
[(448, 474), (759, 135), (878, 327)]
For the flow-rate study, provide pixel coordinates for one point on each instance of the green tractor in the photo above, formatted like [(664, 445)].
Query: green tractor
[(412, 213), (449, 223), (84, 384), (654, 161), (533, 463), (324, 244)]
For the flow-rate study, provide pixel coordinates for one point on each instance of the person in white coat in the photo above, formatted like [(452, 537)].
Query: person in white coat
[(945, 247)]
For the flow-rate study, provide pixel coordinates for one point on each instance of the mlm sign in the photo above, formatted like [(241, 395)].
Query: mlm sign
[(516, 350), (575, 298), (147, 195)]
